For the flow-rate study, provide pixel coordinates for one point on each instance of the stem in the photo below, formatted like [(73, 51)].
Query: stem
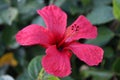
[(41, 74)]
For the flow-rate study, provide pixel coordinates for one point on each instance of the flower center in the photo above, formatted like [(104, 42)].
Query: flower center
[(60, 48), (71, 31)]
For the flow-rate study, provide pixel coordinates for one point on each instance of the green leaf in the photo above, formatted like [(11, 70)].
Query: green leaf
[(8, 37), (101, 2), (100, 75), (20, 55), (57, 2), (67, 78), (50, 77), (9, 15), (100, 78), (38, 20), (101, 15), (34, 67), (85, 2), (3, 5), (108, 52), (116, 65), (104, 36), (6, 77), (21, 2), (24, 76), (1, 21), (69, 7), (116, 9), (29, 9), (76, 10)]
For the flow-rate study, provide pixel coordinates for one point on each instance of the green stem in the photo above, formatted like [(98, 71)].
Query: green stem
[(41, 74)]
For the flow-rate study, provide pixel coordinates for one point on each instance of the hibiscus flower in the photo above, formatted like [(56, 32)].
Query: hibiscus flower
[(60, 42)]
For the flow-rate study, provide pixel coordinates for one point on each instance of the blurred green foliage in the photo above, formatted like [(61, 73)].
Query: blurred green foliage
[(16, 14)]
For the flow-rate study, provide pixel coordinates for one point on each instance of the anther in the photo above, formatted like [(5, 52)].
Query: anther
[(72, 28), (75, 27)]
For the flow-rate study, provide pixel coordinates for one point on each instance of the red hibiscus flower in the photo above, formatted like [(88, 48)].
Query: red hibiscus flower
[(61, 42)]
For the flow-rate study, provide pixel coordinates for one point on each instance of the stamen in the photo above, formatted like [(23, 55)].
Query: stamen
[(72, 28), (75, 28), (71, 31)]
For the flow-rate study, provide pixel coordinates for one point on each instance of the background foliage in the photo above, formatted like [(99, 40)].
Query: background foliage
[(15, 60)]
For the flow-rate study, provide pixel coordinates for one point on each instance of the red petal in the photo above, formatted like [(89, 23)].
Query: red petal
[(56, 63), (90, 54), (55, 19), (33, 34), (81, 28)]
